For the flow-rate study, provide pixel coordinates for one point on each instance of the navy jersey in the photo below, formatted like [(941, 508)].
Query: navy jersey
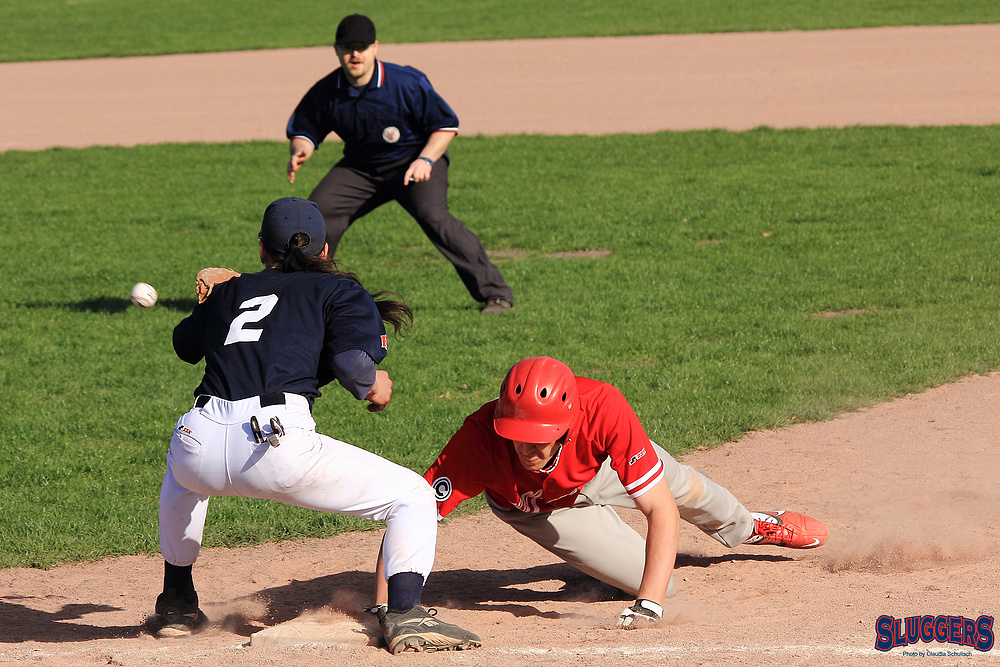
[(271, 332), (388, 120)]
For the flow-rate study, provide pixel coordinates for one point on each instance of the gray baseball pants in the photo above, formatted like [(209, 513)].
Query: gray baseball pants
[(591, 536), (350, 191)]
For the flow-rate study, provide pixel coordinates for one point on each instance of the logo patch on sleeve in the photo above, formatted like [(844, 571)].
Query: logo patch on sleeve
[(385, 342), (638, 456), (442, 489)]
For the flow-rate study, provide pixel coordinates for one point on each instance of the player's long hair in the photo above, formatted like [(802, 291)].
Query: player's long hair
[(396, 313)]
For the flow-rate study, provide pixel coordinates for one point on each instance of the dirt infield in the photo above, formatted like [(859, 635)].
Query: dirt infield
[(908, 488), (902, 76)]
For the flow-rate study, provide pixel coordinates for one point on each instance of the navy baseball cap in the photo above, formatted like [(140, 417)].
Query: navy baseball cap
[(355, 28), (288, 216)]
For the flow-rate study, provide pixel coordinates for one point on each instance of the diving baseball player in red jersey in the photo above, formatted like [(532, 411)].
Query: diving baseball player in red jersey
[(555, 452)]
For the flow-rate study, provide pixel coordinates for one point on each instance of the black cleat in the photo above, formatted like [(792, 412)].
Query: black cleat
[(178, 618)]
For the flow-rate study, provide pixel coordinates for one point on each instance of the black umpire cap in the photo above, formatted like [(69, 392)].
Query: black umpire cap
[(288, 216), (356, 28)]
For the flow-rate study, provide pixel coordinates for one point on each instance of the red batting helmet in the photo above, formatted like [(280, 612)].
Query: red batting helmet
[(538, 402)]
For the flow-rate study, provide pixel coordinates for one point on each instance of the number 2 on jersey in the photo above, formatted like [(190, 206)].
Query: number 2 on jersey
[(261, 307)]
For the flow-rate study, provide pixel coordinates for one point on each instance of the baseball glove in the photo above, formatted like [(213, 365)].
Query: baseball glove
[(208, 278)]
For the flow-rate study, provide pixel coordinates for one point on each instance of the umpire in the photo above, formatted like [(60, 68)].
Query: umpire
[(396, 131)]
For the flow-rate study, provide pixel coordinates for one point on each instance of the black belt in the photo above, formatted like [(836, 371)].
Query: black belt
[(265, 400)]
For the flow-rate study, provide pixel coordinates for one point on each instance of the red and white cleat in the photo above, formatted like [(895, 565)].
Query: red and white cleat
[(786, 529)]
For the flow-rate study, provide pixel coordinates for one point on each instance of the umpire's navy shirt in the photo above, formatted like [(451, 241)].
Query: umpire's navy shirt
[(386, 121), (272, 332)]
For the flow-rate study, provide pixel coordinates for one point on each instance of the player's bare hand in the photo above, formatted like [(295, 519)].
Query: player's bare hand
[(294, 162), (301, 149), (380, 393), (418, 172), (643, 614)]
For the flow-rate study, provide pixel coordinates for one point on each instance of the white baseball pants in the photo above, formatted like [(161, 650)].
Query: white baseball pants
[(213, 453)]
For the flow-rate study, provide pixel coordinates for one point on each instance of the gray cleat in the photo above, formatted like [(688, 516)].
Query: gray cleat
[(418, 629)]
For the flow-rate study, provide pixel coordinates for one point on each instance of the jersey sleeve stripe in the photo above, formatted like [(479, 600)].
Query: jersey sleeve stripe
[(657, 469), (647, 487)]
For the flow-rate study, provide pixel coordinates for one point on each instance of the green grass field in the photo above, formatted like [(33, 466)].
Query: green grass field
[(725, 251), (56, 29), (754, 279)]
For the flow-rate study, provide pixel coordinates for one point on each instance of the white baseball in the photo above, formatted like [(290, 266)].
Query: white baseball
[(143, 295)]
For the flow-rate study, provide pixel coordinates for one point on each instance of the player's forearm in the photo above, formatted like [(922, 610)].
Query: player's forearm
[(381, 585), (299, 144), (420, 169), (437, 145), (356, 372), (662, 538)]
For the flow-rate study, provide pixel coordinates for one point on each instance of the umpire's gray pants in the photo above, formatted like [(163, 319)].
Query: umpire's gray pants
[(350, 191), (591, 536)]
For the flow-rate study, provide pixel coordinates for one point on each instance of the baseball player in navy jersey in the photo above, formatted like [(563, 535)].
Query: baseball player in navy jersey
[(555, 453), (396, 131), (270, 340)]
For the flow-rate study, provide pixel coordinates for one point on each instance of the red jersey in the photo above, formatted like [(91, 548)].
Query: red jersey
[(476, 459)]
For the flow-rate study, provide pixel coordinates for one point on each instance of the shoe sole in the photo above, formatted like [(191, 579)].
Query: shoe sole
[(495, 309), (418, 644), (169, 631)]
